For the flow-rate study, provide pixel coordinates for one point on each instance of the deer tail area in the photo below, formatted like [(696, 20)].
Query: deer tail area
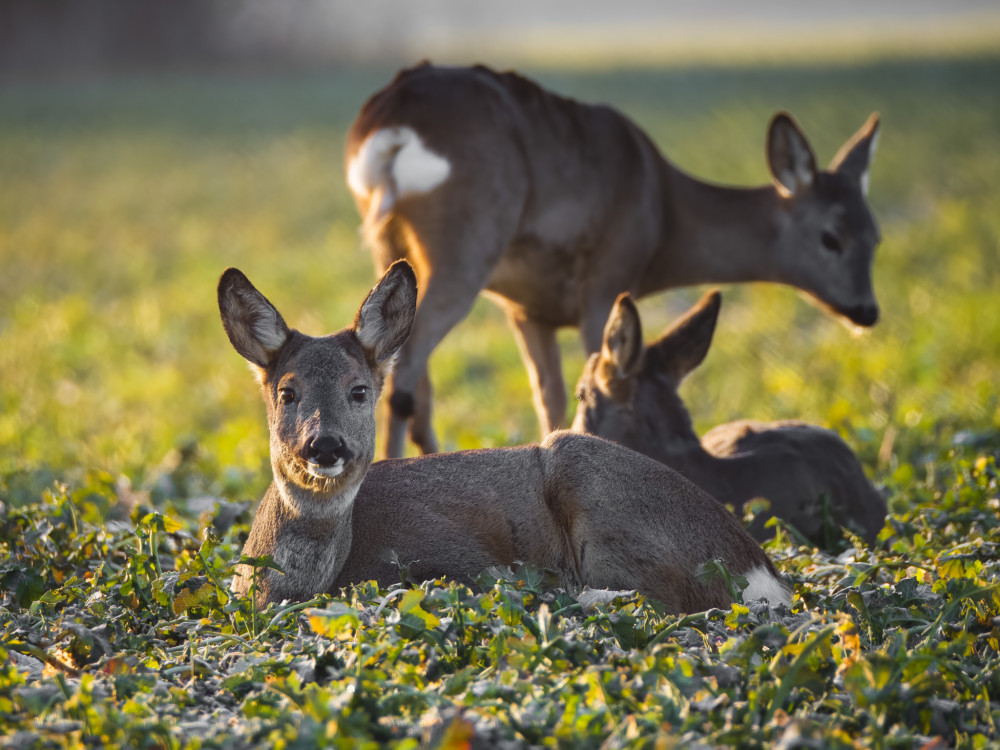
[(391, 164)]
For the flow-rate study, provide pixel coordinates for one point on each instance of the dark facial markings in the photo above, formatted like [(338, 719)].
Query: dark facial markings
[(830, 242)]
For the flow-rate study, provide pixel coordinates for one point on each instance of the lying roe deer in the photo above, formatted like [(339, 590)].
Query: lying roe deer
[(628, 394), (595, 512), (485, 181)]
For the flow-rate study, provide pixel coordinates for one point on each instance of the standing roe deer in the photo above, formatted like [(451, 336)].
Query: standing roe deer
[(597, 513), (484, 181), (628, 394)]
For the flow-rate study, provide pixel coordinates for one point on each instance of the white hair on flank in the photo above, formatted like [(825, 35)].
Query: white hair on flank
[(762, 584), (396, 160)]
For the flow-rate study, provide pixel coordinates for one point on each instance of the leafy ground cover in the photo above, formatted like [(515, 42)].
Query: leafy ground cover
[(126, 634), (130, 433)]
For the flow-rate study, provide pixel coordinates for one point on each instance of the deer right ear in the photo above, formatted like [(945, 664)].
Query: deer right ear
[(789, 156), (621, 348), (385, 317), (255, 328), (685, 344)]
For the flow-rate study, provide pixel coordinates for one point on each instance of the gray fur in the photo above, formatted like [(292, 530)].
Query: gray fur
[(597, 513), (791, 464)]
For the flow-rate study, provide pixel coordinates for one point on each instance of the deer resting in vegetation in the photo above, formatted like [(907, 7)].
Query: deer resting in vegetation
[(595, 512), (628, 394), (487, 182)]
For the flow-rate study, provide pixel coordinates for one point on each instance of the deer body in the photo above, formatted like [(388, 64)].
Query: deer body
[(487, 182), (595, 512), (628, 393)]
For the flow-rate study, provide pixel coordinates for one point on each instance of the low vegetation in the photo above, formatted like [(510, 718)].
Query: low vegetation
[(133, 447)]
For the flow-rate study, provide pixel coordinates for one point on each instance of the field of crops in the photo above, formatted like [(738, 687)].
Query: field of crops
[(133, 445)]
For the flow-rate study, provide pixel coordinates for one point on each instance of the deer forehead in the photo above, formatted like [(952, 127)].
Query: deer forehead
[(324, 362)]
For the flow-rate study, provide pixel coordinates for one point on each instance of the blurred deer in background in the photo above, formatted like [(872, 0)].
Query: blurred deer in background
[(485, 181), (628, 394), (596, 513)]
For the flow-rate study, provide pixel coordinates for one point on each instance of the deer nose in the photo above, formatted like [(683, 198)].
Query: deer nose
[(326, 451), (863, 315)]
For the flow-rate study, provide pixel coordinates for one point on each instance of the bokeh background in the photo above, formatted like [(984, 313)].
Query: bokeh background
[(145, 146)]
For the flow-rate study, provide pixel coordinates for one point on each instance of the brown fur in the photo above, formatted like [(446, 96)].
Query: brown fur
[(791, 464), (553, 207), (595, 512)]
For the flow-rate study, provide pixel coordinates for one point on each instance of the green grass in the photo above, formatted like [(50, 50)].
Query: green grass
[(122, 201)]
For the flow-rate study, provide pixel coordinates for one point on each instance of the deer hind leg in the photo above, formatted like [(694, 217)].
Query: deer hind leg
[(540, 354), (446, 301), (421, 430), (388, 244), (454, 251)]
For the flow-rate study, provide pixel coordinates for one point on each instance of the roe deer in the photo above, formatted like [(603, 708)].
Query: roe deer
[(628, 394), (595, 512), (485, 181)]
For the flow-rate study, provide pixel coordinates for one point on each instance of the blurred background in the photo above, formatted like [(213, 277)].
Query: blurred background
[(145, 146)]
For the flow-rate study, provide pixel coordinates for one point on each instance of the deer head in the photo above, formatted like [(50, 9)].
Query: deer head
[(320, 392), (628, 392), (826, 232)]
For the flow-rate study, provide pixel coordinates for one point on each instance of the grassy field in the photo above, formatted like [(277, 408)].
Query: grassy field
[(123, 200)]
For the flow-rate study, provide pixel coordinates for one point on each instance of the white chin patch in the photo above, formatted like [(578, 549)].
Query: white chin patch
[(326, 472)]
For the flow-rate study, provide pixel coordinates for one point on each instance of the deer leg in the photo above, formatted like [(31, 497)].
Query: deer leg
[(592, 325), (540, 354), (445, 302), (421, 430)]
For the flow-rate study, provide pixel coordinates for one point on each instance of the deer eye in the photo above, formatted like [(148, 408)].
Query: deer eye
[(830, 242), (359, 393), (286, 395)]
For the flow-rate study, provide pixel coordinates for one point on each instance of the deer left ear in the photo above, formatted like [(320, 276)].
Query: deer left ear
[(855, 156), (385, 317), (254, 326), (621, 348), (789, 156)]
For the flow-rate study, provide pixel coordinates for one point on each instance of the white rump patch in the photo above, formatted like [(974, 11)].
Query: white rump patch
[(396, 160), (761, 584)]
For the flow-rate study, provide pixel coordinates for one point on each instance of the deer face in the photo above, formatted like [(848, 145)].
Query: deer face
[(320, 392), (628, 394), (827, 234), (320, 395)]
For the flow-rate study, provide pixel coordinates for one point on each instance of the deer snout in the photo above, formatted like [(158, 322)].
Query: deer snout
[(863, 315), (326, 451)]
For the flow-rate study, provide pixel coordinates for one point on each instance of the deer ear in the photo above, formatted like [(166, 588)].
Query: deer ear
[(385, 317), (255, 328), (621, 348), (789, 156), (685, 344), (855, 156)]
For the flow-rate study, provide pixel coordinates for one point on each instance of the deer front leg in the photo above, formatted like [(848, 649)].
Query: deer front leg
[(540, 354)]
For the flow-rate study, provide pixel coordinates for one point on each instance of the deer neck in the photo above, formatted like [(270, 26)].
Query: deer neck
[(716, 234), (675, 443), (308, 534)]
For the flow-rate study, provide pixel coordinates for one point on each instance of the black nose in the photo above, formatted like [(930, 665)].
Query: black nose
[(326, 451), (863, 315)]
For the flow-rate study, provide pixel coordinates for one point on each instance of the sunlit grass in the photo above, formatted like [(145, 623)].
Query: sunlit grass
[(122, 202)]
